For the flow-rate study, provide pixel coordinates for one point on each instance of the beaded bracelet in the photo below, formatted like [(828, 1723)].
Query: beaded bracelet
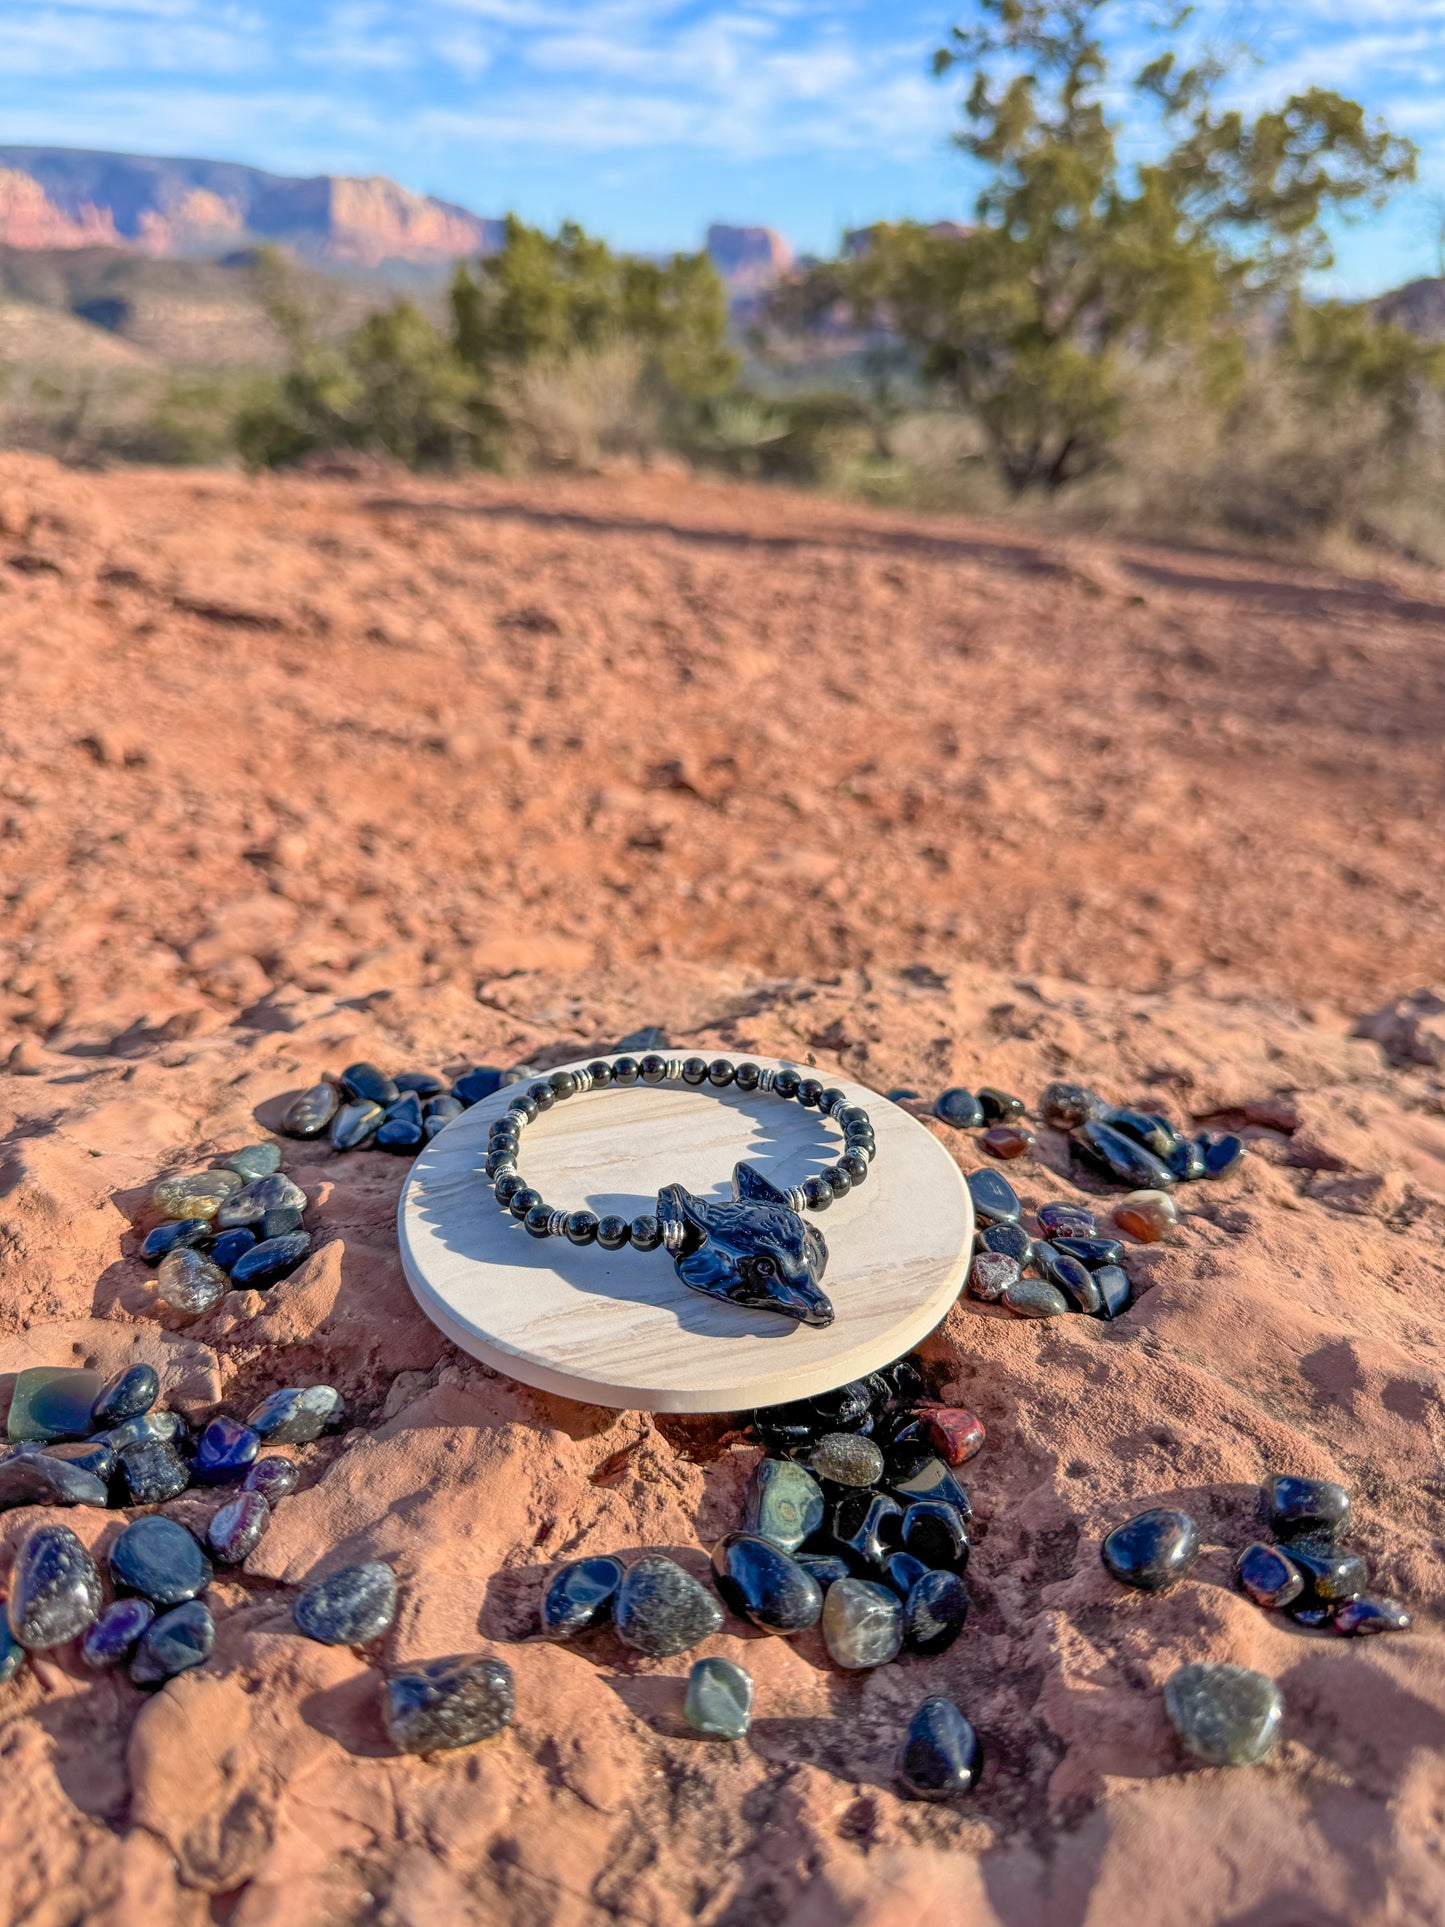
[(755, 1250)]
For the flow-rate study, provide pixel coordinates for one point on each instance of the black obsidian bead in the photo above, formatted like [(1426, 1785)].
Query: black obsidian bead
[(720, 1072), (581, 1227), (694, 1070), (600, 1071), (504, 1128), (817, 1194), (625, 1070), (613, 1233), (564, 1084), (523, 1107), (809, 1091), (508, 1187), (832, 1100), (847, 1114), (652, 1069), (838, 1180), (542, 1094), (855, 1163), (523, 1201), (499, 1163), (786, 1084), (539, 1221), (645, 1232), (746, 1077)]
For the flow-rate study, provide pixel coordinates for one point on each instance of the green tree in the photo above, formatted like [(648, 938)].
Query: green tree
[(1080, 260)]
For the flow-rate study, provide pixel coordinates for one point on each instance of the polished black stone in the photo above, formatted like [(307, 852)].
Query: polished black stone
[(994, 1199), (652, 1068), (1268, 1577), (1065, 1106), (579, 1596), (581, 1227), (29, 1476), (942, 1755), (900, 1383), (1062, 1220), (1314, 1617), (297, 1414), (438, 1114), (1372, 1615), (1111, 1153), (354, 1124), (1152, 1550), (224, 1451), (473, 1085), (660, 1610), (1331, 1574), (348, 1607), (817, 1194), (1010, 1240), (274, 1478), (903, 1094), (1155, 1133), (505, 1189), (763, 1583), (1093, 1252), (195, 1232), (542, 1094), (424, 1083), (625, 1070), (645, 1232), (268, 1262), (613, 1232), (127, 1395), (842, 1409), (1186, 1160), (113, 1636), (160, 1560), (999, 1106), (809, 1091), (54, 1589), (237, 1527), (934, 1612), (901, 1434), (786, 1084), (1306, 1508), (564, 1084), (1115, 1292), (230, 1246), (254, 1161), (406, 1107), (1072, 1277), (523, 1109), (150, 1425), (538, 1221), (752, 1250), (936, 1533), (1221, 1154), (720, 1073), (839, 1180), (826, 1567), (446, 1703), (961, 1109), (154, 1471), (365, 1081), (308, 1114), (178, 1640), (865, 1527), (96, 1456), (402, 1135), (694, 1071), (925, 1476), (902, 1571)]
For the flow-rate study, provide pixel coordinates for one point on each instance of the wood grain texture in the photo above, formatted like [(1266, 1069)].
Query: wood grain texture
[(620, 1328)]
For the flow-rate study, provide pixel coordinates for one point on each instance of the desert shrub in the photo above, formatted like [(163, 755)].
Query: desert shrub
[(579, 409)]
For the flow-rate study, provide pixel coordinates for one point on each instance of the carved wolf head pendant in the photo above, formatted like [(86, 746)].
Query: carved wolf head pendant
[(754, 1251)]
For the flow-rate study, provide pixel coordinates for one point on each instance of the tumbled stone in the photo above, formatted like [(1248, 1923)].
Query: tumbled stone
[(1306, 1508), (579, 1596), (226, 1249), (96, 1456), (1152, 1550), (438, 1114), (172, 1644), (957, 1432), (224, 1451), (1148, 1216), (999, 1107), (942, 1755), (274, 1478), (844, 1408), (826, 1567), (472, 1086), (1313, 1617), (1063, 1220), (784, 1503), (935, 1532), (154, 1471), (279, 1223), (865, 1528), (366, 1083), (402, 1136), (902, 1571), (961, 1109), (934, 1612), (1222, 1154), (923, 1475), (113, 1636), (160, 1560), (406, 1107), (719, 1701), (1006, 1141), (254, 1161), (1110, 1152), (1267, 1577), (425, 1084), (1331, 1574), (904, 1094), (1155, 1133), (149, 1425), (763, 1583), (894, 1431), (990, 1275), (309, 1114), (1069, 1276), (1186, 1161), (1368, 1614), (52, 1402), (1224, 1715), (195, 1194), (127, 1395), (446, 1703), (29, 1476), (348, 1607), (354, 1124), (190, 1283), (1066, 1106), (1093, 1252), (994, 1199), (862, 1624), (1116, 1294), (847, 1459), (54, 1589), (1035, 1298), (268, 1262), (297, 1414), (238, 1527), (900, 1383), (250, 1205), (12, 1653), (175, 1231), (1009, 1241), (661, 1610)]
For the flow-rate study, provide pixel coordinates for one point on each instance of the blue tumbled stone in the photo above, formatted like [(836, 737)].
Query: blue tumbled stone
[(348, 1607), (114, 1634), (296, 1414), (994, 1199), (270, 1261), (179, 1231), (155, 1471), (224, 1450), (127, 1396), (231, 1245), (12, 1653), (476, 1084), (96, 1456), (171, 1644), (961, 1109), (160, 1560), (580, 1596)]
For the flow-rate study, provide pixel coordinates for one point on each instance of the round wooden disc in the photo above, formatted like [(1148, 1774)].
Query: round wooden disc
[(620, 1328)]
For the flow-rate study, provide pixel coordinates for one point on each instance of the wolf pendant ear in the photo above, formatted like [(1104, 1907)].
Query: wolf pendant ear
[(751, 1187)]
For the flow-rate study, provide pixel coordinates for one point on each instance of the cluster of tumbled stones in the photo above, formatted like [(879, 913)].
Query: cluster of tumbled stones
[(1064, 1264), (366, 1106), (1229, 1715), (237, 1227), (76, 1441), (853, 1522), (1123, 1143)]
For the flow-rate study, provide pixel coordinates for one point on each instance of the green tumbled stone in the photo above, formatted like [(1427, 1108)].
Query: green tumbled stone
[(719, 1701), (1224, 1715), (784, 1505), (197, 1194), (254, 1161), (52, 1402), (847, 1459)]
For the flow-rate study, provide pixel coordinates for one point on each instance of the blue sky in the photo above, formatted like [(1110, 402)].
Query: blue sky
[(645, 119)]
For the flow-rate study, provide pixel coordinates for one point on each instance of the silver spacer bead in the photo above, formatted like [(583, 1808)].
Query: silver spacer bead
[(765, 1079), (583, 1081), (674, 1069), (557, 1225), (673, 1232), (798, 1200), (507, 1170)]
